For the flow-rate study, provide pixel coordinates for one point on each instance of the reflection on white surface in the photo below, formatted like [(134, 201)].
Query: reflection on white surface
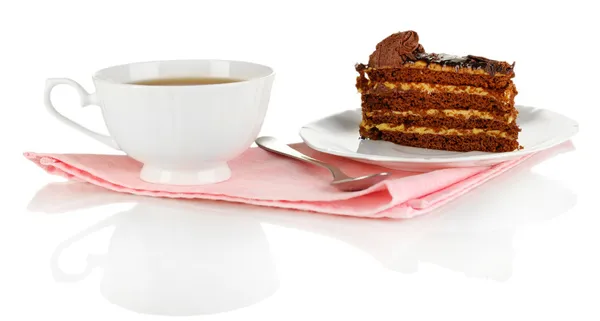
[(169, 257), (180, 257), (472, 235)]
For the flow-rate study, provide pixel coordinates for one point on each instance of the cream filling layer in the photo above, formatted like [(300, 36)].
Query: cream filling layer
[(429, 88), (442, 131), (449, 113)]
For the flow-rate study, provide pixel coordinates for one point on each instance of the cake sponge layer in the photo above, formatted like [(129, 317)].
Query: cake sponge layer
[(413, 100), (457, 143), (440, 75), (512, 129)]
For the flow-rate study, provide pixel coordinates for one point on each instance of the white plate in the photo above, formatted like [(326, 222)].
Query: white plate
[(338, 135)]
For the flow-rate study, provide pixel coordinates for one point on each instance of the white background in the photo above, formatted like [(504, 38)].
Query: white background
[(521, 247)]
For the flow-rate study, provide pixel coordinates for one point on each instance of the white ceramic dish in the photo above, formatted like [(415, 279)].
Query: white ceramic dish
[(338, 135)]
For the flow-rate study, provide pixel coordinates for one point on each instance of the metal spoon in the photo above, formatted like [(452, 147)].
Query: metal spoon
[(340, 179)]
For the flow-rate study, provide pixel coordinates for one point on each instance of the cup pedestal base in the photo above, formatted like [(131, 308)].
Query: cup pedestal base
[(207, 175)]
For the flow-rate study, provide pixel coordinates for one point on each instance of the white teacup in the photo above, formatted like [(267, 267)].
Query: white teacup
[(183, 135)]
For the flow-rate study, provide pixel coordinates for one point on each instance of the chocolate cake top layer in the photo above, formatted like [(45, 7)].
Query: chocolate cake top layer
[(402, 47), (474, 62)]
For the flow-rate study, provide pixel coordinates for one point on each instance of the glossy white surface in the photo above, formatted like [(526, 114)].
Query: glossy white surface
[(77, 250), (521, 247), (337, 135), (172, 129)]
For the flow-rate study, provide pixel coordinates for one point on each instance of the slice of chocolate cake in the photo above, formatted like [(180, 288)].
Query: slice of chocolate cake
[(437, 101)]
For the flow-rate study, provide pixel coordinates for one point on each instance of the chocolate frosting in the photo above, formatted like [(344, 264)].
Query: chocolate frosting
[(396, 49), (475, 62), (401, 47)]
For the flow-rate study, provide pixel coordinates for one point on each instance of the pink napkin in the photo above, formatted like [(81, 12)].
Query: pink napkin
[(266, 179)]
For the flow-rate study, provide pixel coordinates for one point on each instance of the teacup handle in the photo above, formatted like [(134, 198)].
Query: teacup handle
[(86, 100)]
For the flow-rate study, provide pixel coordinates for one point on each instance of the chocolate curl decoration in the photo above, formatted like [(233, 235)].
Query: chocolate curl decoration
[(394, 50)]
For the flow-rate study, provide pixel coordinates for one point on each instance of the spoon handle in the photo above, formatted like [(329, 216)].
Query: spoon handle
[(273, 145)]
